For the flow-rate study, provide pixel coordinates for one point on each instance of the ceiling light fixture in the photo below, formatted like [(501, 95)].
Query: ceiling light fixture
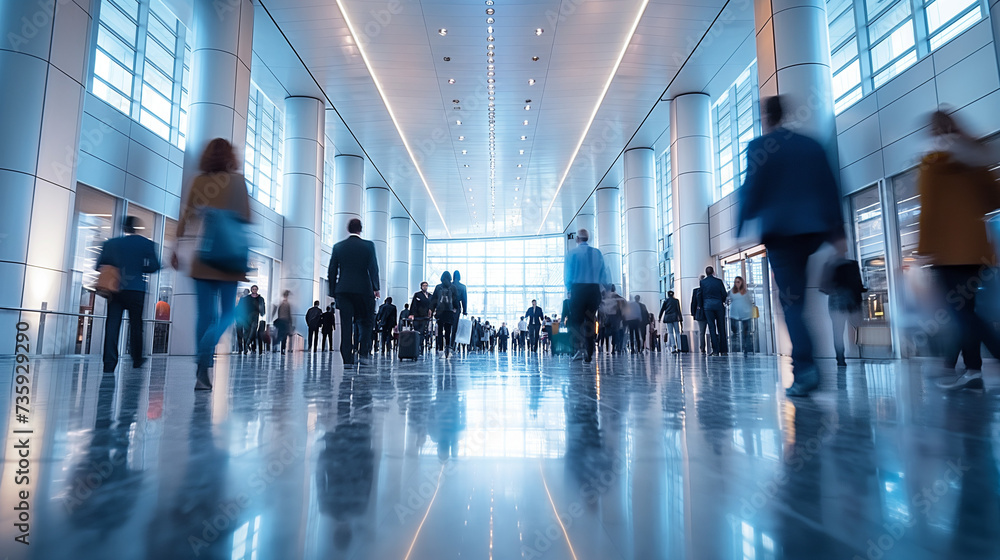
[(531, 82), (527, 107), (392, 114), (539, 31), (593, 114), (460, 138), (442, 32), (525, 123), (447, 59), (522, 152), (451, 80), (490, 21), (459, 123), (490, 11), (534, 58), (465, 152), (524, 138), (519, 165)]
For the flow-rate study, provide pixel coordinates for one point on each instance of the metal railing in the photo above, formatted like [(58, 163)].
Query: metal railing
[(74, 331)]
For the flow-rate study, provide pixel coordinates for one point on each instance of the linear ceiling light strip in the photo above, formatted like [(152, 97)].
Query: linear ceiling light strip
[(392, 115), (593, 114)]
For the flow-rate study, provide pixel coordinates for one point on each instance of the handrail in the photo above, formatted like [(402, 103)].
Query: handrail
[(69, 314)]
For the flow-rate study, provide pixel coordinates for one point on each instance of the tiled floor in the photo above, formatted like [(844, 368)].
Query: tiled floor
[(503, 457)]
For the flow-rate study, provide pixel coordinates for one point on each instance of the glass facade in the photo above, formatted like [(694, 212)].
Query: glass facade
[(736, 117), (327, 237), (503, 275), (142, 65), (665, 221), (895, 34), (263, 156)]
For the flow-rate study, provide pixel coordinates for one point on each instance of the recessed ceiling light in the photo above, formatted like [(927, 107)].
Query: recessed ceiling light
[(524, 138), (539, 31), (468, 165), (465, 152), (522, 152), (515, 190), (527, 107), (531, 82), (451, 80), (490, 21), (534, 58), (490, 11), (518, 178), (490, 39), (459, 123), (456, 101), (460, 138), (442, 32), (469, 179), (519, 165), (525, 123), (489, 2), (490, 59), (447, 59), (490, 74), (491, 80)]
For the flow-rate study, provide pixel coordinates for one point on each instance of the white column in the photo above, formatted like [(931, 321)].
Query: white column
[(220, 93), (303, 183), (587, 220), (609, 232), (399, 261), (692, 180), (640, 220), (348, 192), (43, 66), (793, 60), (418, 244), (377, 230)]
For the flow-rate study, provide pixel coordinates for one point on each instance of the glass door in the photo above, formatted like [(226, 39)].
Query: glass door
[(752, 267), (874, 336), (95, 223)]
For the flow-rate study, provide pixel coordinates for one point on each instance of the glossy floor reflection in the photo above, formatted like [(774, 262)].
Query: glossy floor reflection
[(504, 457)]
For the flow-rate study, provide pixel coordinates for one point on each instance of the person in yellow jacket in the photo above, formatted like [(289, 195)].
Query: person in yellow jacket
[(957, 190)]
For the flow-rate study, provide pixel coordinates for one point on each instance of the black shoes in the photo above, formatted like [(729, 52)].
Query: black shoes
[(805, 382), (202, 383), (971, 379)]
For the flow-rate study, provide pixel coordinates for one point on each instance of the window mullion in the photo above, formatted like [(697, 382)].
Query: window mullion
[(920, 32), (175, 110), (734, 131), (139, 67), (864, 53)]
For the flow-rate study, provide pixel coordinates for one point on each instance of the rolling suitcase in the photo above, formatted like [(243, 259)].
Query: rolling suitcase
[(409, 345), (685, 345)]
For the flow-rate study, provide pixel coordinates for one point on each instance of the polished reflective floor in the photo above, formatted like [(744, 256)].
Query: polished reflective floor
[(505, 457)]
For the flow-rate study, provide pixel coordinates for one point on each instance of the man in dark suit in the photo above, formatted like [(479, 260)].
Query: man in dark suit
[(535, 316), (791, 191), (314, 320), (354, 284), (385, 321), (699, 314), (713, 298), (134, 256)]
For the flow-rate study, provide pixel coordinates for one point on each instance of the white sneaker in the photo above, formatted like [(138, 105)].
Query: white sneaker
[(968, 380)]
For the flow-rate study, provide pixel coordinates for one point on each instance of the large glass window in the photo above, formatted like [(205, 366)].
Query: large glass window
[(737, 122), (328, 179), (263, 155), (139, 59), (503, 275), (896, 33), (665, 220)]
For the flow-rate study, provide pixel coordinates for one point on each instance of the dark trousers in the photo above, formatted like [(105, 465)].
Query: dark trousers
[(702, 333), (533, 334), (386, 339), (840, 319), (357, 315), (131, 301), (788, 257), (717, 328), (445, 334), (313, 339), (959, 284), (284, 328), (327, 336), (635, 335), (741, 333), (584, 301), (503, 344)]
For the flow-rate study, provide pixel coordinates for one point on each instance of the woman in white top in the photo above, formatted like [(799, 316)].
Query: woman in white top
[(740, 314)]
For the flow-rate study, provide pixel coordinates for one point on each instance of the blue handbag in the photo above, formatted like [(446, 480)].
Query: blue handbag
[(225, 244)]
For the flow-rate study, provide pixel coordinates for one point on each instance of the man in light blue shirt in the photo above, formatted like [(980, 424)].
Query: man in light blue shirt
[(585, 275)]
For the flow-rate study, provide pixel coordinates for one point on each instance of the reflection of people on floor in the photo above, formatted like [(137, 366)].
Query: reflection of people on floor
[(414, 403), (346, 465), (447, 416)]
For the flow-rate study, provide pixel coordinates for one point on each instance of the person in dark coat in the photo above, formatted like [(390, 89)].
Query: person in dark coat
[(791, 191), (134, 256), (670, 315), (842, 283), (445, 304), (420, 311), (329, 323), (250, 309), (314, 321), (386, 322), (463, 299), (534, 314), (713, 300), (354, 284), (698, 312)]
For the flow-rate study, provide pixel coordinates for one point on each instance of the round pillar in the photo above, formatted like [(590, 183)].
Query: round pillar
[(640, 218), (609, 232), (692, 181), (303, 184), (377, 230), (418, 243), (399, 261), (348, 193)]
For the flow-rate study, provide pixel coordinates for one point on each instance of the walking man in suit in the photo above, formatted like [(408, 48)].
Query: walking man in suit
[(354, 283), (385, 320), (713, 300), (535, 316), (791, 190), (134, 256), (698, 312)]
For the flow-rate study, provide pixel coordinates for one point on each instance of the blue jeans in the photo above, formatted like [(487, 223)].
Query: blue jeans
[(216, 311), (788, 257)]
